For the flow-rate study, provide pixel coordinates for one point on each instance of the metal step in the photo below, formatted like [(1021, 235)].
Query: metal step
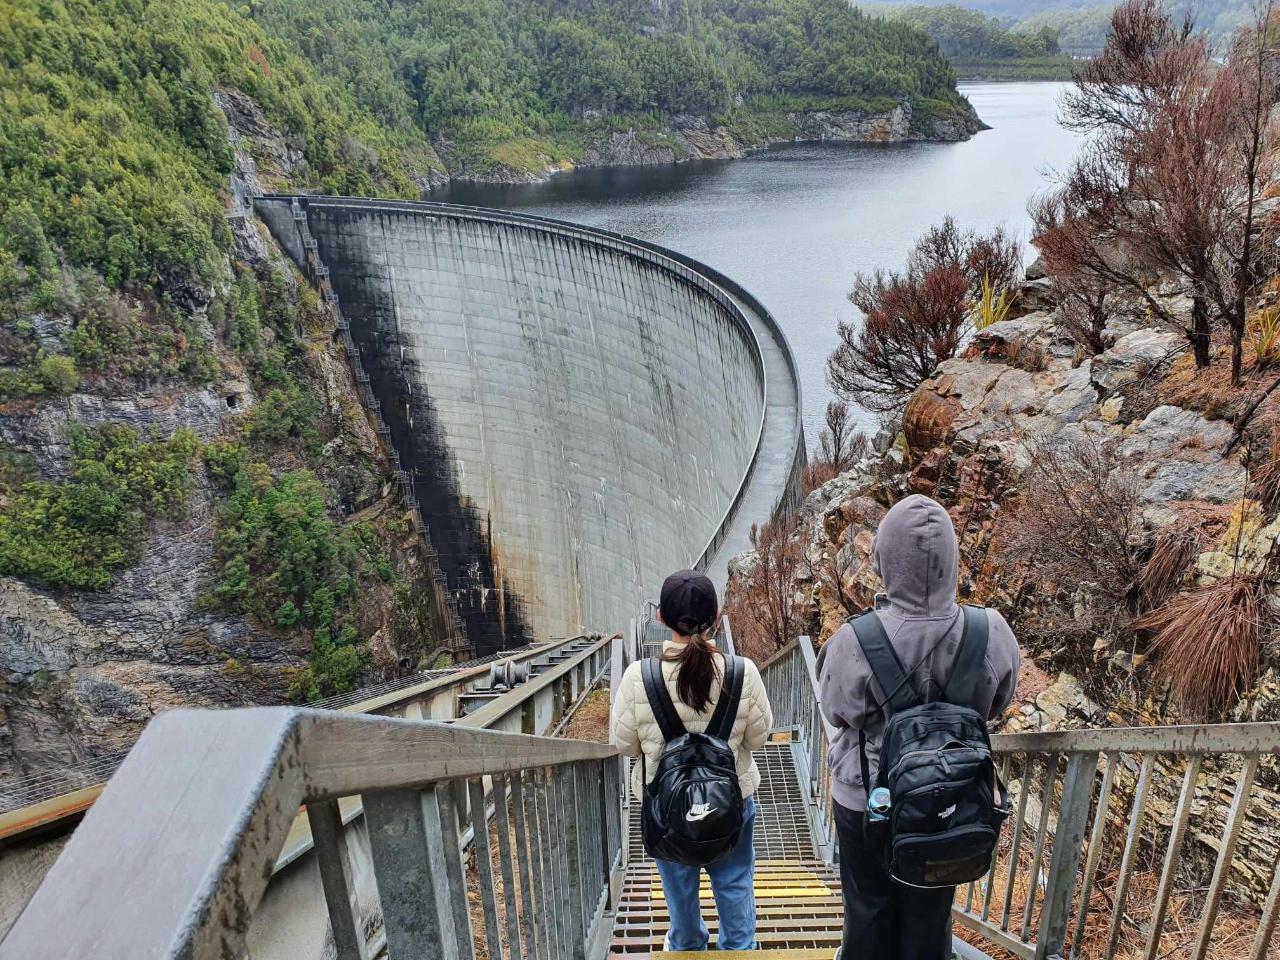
[(799, 914)]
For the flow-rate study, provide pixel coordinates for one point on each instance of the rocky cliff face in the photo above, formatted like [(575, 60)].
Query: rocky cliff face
[(697, 137), (969, 436), (974, 437), (82, 671)]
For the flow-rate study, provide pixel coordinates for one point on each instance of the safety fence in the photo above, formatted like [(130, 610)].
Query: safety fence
[(544, 816), (1114, 833)]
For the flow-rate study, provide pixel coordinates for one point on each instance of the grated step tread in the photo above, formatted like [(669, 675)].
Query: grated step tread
[(743, 955)]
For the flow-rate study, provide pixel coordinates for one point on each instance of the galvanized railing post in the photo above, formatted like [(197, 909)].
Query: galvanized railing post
[(484, 867), (570, 838), (507, 869), (1068, 842), (335, 877), (604, 768), (411, 877), (525, 828), (451, 856), (1042, 836)]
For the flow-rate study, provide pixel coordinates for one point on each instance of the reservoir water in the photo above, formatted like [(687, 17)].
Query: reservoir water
[(794, 223)]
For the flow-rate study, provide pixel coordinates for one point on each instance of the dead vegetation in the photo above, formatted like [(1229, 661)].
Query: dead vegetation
[(1207, 643), (915, 319), (591, 720), (765, 610), (1074, 535), (1264, 473)]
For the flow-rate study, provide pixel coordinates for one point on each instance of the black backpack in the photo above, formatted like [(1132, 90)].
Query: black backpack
[(944, 820), (692, 812)]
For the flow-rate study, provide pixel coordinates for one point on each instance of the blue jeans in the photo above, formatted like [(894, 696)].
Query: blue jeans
[(732, 884)]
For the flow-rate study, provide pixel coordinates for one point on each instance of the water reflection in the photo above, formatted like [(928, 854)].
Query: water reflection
[(794, 223)]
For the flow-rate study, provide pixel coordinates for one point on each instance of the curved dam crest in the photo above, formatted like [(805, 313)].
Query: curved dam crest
[(578, 412)]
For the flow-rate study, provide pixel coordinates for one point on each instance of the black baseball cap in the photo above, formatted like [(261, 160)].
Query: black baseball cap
[(688, 603)]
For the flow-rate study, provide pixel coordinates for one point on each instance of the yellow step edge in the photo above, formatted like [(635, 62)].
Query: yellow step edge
[(790, 893), (798, 883), (743, 955)]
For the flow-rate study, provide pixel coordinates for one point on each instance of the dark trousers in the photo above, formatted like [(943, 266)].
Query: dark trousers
[(884, 919)]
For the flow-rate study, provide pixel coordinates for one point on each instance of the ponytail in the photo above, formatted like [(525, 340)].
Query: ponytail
[(697, 671)]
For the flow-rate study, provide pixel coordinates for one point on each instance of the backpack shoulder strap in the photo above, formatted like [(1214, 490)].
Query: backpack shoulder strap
[(664, 711), (893, 680), (962, 687), (726, 712)]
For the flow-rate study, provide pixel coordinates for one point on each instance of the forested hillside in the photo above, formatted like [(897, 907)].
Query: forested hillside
[(192, 497), (983, 46), (180, 442), (1081, 25), (510, 83)]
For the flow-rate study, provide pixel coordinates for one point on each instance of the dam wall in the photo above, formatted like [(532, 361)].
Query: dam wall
[(577, 413)]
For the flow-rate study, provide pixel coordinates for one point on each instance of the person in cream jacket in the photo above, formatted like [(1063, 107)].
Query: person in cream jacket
[(636, 729), (692, 669)]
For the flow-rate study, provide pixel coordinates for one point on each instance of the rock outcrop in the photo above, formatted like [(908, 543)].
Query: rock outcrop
[(697, 137), (81, 672), (971, 437)]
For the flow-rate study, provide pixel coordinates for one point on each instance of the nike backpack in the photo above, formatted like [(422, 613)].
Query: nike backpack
[(692, 811), (946, 802)]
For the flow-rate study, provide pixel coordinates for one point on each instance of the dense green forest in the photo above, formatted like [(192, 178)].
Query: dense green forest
[(498, 73), (1080, 32), (981, 45), (1081, 25), (120, 275), (111, 148), (114, 155)]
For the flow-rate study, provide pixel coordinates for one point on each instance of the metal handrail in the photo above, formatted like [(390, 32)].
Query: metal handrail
[(38, 803), (136, 881), (790, 679), (1072, 792)]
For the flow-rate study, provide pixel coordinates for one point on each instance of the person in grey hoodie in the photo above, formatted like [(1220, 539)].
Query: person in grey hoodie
[(917, 557)]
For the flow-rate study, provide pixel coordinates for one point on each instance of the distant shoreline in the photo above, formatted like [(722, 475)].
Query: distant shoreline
[(1039, 70)]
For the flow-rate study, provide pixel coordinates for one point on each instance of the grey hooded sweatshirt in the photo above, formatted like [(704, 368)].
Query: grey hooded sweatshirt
[(917, 556)]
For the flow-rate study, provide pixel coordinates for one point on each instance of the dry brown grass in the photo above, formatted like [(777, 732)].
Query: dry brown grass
[(591, 720), (1210, 390), (1167, 566), (1265, 474), (1207, 642)]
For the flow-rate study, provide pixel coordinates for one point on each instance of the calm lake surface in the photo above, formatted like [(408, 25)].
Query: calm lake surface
[(795, 223)]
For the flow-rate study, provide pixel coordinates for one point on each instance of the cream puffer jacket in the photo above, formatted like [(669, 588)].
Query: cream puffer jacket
[(635, 728)]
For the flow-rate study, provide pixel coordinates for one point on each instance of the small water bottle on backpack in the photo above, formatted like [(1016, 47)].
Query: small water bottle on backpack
[(879, 804)]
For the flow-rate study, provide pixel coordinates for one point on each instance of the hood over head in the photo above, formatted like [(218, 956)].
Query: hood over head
[(918, 558)]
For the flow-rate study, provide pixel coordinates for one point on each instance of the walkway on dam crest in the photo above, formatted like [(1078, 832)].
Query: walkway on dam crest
[(781, 438), (775, 473)]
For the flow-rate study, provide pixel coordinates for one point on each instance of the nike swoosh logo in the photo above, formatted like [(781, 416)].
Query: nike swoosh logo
[(699, 812)]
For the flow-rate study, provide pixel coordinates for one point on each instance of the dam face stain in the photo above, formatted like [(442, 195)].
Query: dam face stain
[(491, 614)]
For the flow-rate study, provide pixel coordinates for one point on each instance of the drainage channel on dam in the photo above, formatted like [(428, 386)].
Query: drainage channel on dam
[(579, 411)]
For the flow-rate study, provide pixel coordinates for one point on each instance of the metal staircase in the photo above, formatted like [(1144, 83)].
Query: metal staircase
[(479, 844), (798, 912)]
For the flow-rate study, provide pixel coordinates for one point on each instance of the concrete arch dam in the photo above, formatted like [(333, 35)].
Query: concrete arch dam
[(578, 412)]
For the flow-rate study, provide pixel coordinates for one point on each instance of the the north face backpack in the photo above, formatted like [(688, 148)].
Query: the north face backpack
[(944, 819), (692, 811)]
